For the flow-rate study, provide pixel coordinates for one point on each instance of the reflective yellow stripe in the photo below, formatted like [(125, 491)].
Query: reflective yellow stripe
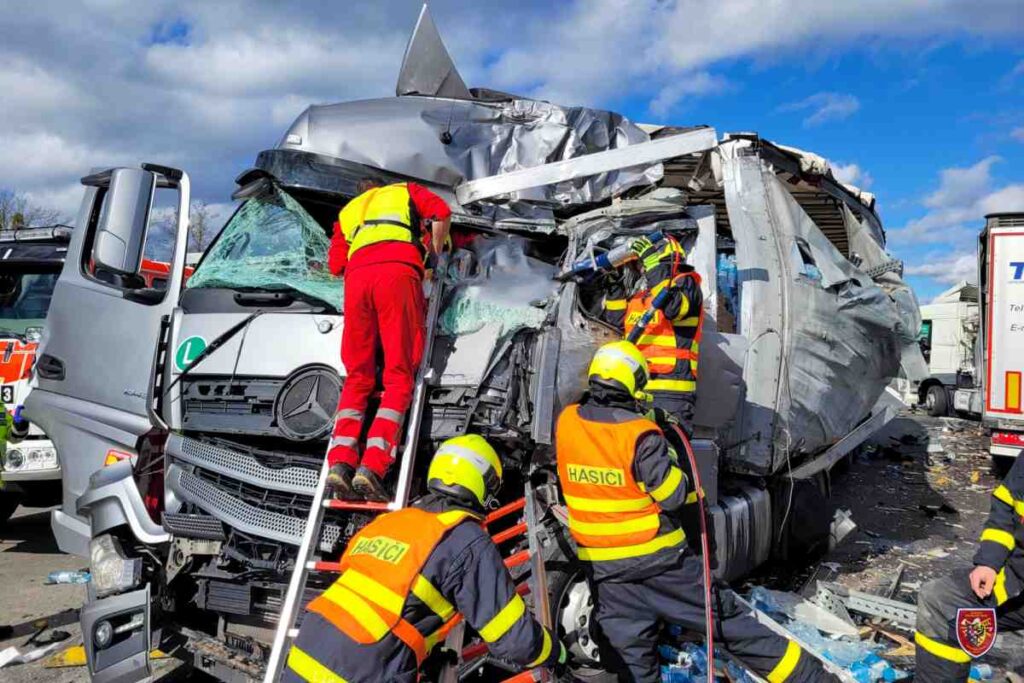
[(681, 385), (666, 340), (607, 504), (358, 608), (999, 589), (375, 592), (786, 665), (686, 322), (453, 517), (308, 669), (645, 523), (545, 650), (940, 650), (1003, 538), (668, 540), (1002, 493), (432, 598), (614, 304), (668, 487), (504, 620), (691, 498)]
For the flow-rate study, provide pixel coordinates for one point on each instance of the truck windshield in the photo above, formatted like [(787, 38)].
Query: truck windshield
[(24, 300), (271, 243)]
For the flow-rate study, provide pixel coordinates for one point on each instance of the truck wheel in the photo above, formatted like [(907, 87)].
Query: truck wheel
[(9, 502), (936, 401), (572, 613)]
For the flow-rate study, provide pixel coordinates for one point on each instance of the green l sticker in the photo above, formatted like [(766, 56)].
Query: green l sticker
[(188, 351)]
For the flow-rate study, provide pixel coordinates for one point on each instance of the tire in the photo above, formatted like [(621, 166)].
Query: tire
[(561, 583), (9, 502), (936, 401)]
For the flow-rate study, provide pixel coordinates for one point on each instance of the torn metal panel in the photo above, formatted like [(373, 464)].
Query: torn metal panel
[(406, 136), (427, 68), (588, 165)]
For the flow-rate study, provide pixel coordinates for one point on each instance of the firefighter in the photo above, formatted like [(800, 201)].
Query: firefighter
[(958, 615), (623, 492), (407, 574), (671, 341), (380, 243)]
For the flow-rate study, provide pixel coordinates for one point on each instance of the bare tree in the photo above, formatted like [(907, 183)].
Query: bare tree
[(200, 228), (16, 211)]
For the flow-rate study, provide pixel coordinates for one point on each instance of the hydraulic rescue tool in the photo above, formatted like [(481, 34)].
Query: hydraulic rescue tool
[(611, 259)]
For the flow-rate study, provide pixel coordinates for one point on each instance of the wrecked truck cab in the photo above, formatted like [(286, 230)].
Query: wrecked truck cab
[(221, 394)]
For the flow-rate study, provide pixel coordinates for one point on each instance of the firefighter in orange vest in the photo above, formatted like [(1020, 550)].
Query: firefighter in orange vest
[(623, 492), (406, 575), (380, 243), (671, 340)]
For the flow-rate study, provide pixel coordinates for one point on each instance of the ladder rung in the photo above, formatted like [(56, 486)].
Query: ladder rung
[(522, 557), (373, 506), (511, 532), (324, 566), (505, 510)]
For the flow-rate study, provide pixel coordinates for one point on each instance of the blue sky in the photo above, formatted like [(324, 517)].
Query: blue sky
[(917, 101)]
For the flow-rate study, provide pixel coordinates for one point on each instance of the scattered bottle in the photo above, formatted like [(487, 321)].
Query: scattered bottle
[(68, 577)]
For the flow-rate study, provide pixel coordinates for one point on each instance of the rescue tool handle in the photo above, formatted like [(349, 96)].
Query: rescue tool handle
[(648, 316), (609, 260)]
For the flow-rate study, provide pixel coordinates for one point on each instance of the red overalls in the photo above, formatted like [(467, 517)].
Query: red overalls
[(379, 244)]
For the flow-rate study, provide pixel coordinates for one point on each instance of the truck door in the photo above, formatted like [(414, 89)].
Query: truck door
[(95, 361)]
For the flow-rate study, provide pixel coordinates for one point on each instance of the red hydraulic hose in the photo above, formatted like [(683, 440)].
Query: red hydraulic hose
[(705, 553)]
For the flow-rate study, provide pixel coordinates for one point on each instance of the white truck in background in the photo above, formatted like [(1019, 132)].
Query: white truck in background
[(1001, 290), (949, 335)]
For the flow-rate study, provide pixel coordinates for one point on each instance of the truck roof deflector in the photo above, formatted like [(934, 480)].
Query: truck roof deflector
[(588, 165)]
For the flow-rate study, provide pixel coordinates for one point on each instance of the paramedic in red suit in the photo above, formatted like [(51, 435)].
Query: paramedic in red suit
[(380, 243)]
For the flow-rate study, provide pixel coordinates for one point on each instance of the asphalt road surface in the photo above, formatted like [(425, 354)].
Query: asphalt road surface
[(28, 553)]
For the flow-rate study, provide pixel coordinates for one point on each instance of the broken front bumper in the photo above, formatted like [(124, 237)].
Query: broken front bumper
[(123, 657)]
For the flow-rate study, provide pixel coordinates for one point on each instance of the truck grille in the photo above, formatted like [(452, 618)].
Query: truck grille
[(243, 493)]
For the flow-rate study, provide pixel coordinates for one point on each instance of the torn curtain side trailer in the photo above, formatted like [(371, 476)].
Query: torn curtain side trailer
[(189, 490)]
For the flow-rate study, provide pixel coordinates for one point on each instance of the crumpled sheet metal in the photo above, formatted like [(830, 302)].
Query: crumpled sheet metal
[(404, 135), (822, 349), (511, 291)]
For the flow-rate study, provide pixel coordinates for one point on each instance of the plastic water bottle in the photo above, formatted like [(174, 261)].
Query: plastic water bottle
[(981, 672), (68, 577)]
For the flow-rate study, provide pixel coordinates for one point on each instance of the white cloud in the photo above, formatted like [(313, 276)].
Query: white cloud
[(948, 270), (702, 83), (825, 106), (955, 213), (852, 174), (82, 85)]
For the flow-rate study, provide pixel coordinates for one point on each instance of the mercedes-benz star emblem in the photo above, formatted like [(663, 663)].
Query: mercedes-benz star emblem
[(306, 403)]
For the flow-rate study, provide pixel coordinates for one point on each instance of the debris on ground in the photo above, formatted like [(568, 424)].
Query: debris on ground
[(68, 577)]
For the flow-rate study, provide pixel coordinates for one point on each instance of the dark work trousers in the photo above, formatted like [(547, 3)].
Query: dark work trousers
[(678, 404), (939, 657), (629, 614)]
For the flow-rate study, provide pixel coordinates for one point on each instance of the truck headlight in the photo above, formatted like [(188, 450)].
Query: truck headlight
[(14, 460), (111, 571), (28, 458)]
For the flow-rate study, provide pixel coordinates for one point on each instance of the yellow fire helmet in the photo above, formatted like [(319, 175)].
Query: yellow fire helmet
[(466, 468), (620, 365)]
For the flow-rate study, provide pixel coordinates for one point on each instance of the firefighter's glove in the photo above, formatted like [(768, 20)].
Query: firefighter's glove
[(646, 251), (563, 666)]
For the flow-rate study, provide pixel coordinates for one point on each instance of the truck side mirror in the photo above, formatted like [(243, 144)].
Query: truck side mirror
[(124, 220)]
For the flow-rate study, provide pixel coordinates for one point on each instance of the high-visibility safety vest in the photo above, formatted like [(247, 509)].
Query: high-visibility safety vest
[(383, 214), (611, 515), (380, 570), (670, 347)]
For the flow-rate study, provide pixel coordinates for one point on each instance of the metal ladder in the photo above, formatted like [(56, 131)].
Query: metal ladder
[(304, 562)]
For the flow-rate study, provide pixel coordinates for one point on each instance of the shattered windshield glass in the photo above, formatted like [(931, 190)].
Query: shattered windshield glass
[(271, 243)]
